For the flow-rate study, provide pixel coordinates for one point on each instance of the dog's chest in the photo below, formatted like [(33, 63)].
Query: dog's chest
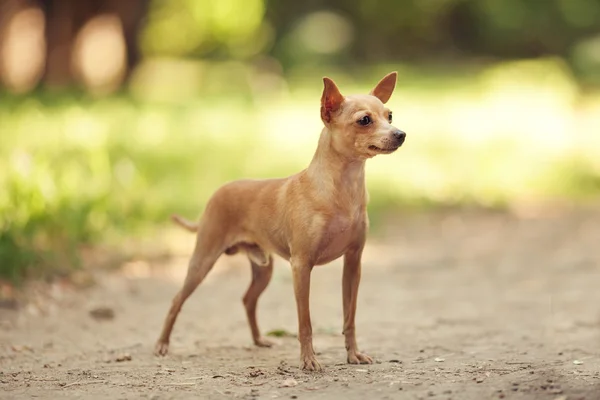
[(339, 232)]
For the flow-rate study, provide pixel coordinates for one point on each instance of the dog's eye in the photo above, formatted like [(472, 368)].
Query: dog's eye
[(390, 117), (364, 121)]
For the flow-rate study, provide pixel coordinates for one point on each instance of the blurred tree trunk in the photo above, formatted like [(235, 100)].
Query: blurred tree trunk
[(60, 36), (132, 14), (64, 20), (7, 9)]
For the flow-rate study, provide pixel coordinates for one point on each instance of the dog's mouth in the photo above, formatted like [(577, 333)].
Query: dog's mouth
[(383, 151)]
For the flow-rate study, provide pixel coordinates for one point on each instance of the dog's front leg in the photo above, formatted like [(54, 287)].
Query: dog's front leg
[(301, 271), (350, 283)]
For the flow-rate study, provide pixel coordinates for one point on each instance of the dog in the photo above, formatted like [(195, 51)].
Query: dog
[(310, 218)]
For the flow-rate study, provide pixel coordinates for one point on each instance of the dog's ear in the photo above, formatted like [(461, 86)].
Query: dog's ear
[(331, 100), (384, 89)]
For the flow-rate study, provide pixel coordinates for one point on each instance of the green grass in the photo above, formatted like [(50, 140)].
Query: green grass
[(77, 171)]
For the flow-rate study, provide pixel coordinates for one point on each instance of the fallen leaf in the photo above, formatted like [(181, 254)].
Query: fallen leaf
[(280, 333)]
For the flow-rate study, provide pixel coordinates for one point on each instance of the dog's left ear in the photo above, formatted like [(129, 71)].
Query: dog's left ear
[(331, 100), (384, 89)]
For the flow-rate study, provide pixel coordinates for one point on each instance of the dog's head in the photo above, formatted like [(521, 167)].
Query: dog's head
[(361, 125)]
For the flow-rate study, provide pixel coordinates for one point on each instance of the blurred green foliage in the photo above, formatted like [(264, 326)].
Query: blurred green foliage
[(75, 171), (355, 32), (229, 89), (197, 27)]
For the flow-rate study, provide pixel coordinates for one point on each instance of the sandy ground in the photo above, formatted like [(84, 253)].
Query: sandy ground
[(452, 306)]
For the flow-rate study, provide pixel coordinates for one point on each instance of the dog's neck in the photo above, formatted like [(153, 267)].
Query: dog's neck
[(336, 176)]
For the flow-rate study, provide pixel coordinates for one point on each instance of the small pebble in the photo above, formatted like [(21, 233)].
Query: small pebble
[(123, 357), (102, 313), (291, 382)]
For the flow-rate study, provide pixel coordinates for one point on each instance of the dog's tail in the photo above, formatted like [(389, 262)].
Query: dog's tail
[(184, 223)]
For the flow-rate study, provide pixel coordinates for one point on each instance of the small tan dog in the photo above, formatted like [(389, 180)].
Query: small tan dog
[(310, 218)]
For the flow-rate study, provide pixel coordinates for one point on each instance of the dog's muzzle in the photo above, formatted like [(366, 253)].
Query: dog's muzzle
[(399, 136)]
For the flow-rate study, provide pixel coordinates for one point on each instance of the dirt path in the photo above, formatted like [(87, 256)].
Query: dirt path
[(454, 306)]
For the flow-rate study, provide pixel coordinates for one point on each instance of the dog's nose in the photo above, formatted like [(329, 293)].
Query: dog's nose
[(399, 135)]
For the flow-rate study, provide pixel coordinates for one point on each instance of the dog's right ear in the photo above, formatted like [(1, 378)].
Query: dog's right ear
[(331, 100), (384, 89)]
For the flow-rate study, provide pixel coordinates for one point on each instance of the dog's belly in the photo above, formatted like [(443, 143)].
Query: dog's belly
[(282, 251), (271, 243), (339, 235), (335, 251), (333, 238)]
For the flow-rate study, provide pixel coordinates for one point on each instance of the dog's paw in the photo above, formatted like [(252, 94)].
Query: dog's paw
[(310, 363), (359, 358), (262, 342), (161, 349)]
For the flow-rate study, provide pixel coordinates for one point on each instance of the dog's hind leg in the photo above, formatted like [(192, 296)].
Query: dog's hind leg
[(209, 246), (261, 276)]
